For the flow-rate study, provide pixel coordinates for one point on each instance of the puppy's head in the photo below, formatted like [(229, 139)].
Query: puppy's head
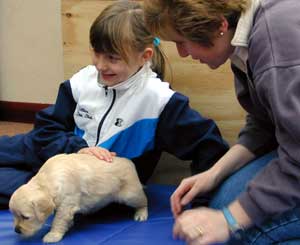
[(30, 207)]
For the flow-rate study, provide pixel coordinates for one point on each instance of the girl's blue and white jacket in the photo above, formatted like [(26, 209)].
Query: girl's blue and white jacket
[(137, 119)]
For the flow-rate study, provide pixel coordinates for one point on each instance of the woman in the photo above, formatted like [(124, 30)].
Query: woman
[(261, 38)]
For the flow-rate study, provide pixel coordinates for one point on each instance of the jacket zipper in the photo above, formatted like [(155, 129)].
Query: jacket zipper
[(106, 113)]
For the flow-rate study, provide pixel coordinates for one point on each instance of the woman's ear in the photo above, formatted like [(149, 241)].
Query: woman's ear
[(147, 55), (224, 25)]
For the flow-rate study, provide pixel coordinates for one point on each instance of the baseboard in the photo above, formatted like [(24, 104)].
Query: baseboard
[(19, 111)]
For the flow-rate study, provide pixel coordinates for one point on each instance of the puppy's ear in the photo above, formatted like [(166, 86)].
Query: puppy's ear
[(43, 206)]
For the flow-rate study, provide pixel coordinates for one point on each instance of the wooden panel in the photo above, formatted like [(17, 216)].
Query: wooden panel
[(20, 111), (210, 92)]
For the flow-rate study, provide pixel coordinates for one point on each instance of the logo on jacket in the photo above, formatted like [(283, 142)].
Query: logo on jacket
[(119, 122), (82, 112)]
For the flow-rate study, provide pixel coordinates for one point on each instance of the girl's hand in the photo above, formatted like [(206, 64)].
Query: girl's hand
[(201, 226), (99, 152), (189, 188)]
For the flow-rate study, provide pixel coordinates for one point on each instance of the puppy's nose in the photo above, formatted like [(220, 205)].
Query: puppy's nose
[(17, 229)]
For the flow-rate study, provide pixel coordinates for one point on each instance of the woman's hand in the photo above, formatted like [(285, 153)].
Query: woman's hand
[(99, 152), (189, 188), (201, 226), (235, 158)]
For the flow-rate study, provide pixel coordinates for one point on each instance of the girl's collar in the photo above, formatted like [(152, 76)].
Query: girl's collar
[(145, 70)]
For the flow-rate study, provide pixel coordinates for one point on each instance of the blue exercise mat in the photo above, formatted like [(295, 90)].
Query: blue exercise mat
[(112, 225)]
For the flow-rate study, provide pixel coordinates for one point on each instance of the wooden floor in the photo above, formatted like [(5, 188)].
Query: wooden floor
[(12, 128)]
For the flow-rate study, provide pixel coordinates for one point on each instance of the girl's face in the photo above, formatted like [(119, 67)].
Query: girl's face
[(113, 69), (212, 56)]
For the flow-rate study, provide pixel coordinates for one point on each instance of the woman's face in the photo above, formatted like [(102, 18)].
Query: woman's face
[(213, 56)]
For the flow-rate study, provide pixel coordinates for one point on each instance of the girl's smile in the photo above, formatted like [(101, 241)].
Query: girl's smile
[(113, 69)]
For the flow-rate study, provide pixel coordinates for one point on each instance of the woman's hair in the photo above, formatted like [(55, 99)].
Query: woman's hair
[(196, 20), (120, 29)]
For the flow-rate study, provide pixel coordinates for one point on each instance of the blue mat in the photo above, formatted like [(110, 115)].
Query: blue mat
[(111, 225)]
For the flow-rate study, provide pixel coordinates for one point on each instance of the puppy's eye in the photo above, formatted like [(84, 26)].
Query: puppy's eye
[(24, 216)]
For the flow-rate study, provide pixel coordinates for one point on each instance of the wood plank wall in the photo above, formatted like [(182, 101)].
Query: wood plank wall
[(210, 92)]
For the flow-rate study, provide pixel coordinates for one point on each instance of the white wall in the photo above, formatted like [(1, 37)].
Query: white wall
[(31, 52)]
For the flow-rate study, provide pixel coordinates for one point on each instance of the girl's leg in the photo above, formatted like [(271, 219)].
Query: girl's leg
[(14, 168), (12, 151), (276, 231), (10, 180)]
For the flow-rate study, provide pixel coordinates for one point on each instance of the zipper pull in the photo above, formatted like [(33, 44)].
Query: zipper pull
[(106, 90)]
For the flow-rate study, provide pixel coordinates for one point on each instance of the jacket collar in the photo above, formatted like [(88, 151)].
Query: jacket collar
[(241, 35), (135, 79)]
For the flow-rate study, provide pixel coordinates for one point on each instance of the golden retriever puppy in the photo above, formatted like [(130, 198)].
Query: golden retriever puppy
[(75, 183)]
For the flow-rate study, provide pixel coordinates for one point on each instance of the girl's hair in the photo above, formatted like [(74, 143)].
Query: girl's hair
[(120, 29), (196, 20)]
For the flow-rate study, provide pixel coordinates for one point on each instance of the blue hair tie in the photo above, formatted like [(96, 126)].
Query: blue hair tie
[(156, 41)]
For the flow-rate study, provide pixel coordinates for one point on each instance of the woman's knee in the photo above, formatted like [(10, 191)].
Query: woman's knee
[(284, 229)]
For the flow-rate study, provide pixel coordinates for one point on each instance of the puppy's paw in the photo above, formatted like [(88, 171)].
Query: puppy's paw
[(52, 237), (141, 214)]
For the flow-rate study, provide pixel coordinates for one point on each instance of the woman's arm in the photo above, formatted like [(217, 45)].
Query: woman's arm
[(237, 156), (201, 183)]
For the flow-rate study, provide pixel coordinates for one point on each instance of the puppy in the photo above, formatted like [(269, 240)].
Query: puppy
[(75, 183)]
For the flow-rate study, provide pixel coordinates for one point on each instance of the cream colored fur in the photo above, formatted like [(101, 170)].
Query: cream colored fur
[(75, 183)]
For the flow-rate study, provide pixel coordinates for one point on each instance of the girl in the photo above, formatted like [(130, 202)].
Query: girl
[(118, 104)]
